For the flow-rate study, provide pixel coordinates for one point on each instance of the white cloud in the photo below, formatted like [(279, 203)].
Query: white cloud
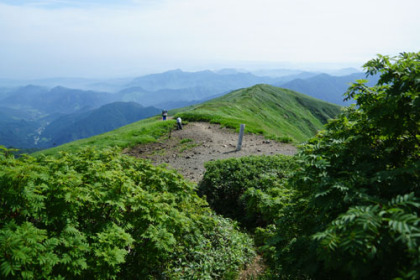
[(103, 39)]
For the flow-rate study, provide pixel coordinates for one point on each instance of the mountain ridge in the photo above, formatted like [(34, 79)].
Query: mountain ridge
[(280, 114), (188, 88), (275, 112)]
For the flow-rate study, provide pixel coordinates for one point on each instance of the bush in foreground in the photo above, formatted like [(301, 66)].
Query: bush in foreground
[(101, 215), (250, 189), (355, 211)]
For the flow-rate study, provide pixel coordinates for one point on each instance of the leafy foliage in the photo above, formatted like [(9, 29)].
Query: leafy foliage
[(103, 215), (355, 212), (249, 189)]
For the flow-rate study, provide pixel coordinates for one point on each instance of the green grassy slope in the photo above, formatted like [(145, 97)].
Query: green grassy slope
[(275, 112), (143, 131)]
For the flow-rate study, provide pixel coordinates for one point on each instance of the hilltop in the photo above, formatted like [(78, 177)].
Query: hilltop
[(267, 112), (274, 112)]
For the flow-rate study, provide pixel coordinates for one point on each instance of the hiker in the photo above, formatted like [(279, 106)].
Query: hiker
[(164, 115), (179, 123)]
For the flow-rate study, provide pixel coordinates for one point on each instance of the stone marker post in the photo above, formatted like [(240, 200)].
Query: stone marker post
[(241, 135)]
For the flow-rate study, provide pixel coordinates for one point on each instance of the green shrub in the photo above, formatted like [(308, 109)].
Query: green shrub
[(248, 189), (355, 211), (102, 215), (185, 140)]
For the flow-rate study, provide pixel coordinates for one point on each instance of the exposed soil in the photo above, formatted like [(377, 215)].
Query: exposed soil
[(253, 270), (188, 149)]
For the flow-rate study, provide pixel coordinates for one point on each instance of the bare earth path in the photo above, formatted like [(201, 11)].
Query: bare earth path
[(187, 150)]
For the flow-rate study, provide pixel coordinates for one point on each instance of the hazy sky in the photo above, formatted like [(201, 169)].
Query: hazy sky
[(86, 38)]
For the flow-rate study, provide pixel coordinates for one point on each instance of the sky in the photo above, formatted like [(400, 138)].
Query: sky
[(92, 38)]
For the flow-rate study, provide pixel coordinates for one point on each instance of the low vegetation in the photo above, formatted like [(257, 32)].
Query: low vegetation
[(355, 212), (186, 144), (102, 215), (250, 190)]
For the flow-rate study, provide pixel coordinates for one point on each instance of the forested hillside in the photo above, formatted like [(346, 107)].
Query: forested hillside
[(93, 122), (34, 117)]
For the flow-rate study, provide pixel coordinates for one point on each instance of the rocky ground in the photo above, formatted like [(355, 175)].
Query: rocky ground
[(188, 149)]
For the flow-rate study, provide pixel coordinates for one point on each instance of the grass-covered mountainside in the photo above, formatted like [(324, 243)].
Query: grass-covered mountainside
[(141, 132), (275, 112)]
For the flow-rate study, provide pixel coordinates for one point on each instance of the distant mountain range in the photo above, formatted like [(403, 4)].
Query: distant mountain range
[(326, 87), (177, 79), (277, 113), (44, 114), (176, 86), (56, 100)]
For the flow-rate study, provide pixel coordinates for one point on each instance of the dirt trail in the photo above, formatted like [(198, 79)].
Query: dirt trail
[(188, 149)]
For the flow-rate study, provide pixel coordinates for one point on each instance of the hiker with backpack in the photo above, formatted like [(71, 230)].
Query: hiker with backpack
[(164, 115), (179, 123)]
